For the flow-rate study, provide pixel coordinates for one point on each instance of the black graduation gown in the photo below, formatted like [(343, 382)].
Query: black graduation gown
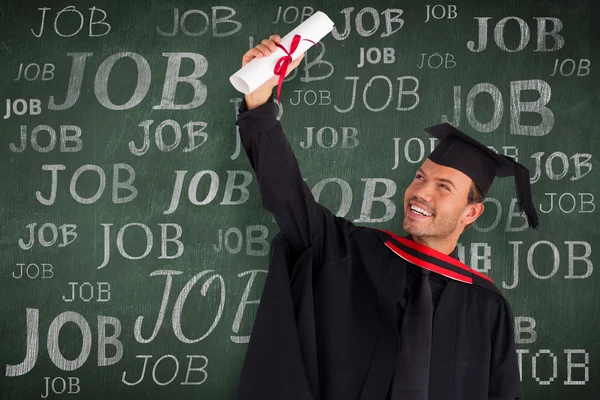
[(326, 325)]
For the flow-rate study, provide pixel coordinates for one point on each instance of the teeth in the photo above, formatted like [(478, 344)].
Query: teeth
[(421, 211)]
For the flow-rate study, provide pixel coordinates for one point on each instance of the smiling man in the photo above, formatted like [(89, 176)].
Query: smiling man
[(436, 203), (353, 312)]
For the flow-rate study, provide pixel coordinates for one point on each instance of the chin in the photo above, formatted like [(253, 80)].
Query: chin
[(414, 230), (408, 228)]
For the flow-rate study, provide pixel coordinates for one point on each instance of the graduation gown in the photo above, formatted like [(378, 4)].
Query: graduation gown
[(326, 327)]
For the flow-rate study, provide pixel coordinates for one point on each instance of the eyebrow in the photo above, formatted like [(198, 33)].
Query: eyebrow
[(439, 179)]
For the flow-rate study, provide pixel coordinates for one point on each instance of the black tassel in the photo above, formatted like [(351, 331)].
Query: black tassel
[(524, 195)]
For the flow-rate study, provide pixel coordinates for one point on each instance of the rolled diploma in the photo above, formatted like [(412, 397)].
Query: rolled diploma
[(260, 70)]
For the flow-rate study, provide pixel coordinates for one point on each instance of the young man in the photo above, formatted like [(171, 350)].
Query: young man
[(351, 312)]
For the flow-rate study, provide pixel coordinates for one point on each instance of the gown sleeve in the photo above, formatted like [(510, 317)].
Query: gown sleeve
[(505, 381), (301, 219)]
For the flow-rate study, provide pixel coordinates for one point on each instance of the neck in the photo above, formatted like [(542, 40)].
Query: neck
[(446, 246)]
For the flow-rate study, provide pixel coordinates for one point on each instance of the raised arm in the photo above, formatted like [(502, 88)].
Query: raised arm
[(301, 220)]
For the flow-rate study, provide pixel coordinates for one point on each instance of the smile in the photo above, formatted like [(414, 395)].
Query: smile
[(419, 212)]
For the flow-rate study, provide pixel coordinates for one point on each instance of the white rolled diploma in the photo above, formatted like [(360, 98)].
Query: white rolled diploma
[(260, 70)]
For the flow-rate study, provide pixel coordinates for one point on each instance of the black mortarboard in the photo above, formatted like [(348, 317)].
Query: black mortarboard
[(460, 151)]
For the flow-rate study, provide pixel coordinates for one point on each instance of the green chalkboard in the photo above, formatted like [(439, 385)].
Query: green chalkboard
[(134, 246)]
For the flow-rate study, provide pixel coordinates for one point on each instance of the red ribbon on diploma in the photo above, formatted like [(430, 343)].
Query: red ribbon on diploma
[(283, 63)]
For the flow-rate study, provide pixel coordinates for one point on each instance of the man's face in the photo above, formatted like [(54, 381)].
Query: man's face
[(442, 193)]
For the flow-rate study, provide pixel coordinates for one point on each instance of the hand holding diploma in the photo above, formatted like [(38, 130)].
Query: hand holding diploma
[(276, 63), (261, 94)]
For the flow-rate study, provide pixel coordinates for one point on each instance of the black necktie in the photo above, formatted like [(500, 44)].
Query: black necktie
[(411, 378)]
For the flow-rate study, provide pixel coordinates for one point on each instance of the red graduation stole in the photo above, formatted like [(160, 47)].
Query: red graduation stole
[(436, 261)]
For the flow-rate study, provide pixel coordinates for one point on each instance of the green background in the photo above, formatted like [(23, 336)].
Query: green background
[(565, 310)]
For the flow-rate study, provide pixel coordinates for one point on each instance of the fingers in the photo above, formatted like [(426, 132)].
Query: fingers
[(252, 53), (264, 48), (270, 44)]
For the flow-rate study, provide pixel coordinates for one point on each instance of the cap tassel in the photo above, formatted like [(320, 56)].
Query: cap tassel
[(524, 195)]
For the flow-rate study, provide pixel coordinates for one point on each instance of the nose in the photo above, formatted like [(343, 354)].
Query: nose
[(424, 192)]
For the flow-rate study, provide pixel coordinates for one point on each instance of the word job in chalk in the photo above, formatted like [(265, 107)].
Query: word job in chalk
[(96, 27), (196, 22), (33, 71), (374, 55), (524, 33), (22, 106), (366, 21), (440, 11), (52, 137), (143, 72)]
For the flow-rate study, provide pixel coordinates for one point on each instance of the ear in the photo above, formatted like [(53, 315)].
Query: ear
[(472, 212)]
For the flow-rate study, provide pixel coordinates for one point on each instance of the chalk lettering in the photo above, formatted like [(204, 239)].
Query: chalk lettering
[(201, 23), (180, 302), (47, 235), (440, 11), (237, 321), (117, 184), (311, 97), (213, 188), (175, 361), (571, 66), (290, 14), (386, 83), (568, 202), (549, 376), (195, 129), (392, 20), (143, 73), (549, 269), (86, 292), (65, 138), (33, 271), (224, 241), (374, 56), (436, 60), (328, 137), (558, 166), (517, 107), (32, 71), (105, 26), (165, 239), (525, 35), (52, 387), (54, 351), (21, 106)]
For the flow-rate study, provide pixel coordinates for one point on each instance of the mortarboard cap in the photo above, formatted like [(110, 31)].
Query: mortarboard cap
[(460, 151)]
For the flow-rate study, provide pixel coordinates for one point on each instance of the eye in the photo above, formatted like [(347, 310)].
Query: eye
[(445, 187), (418, 176)]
